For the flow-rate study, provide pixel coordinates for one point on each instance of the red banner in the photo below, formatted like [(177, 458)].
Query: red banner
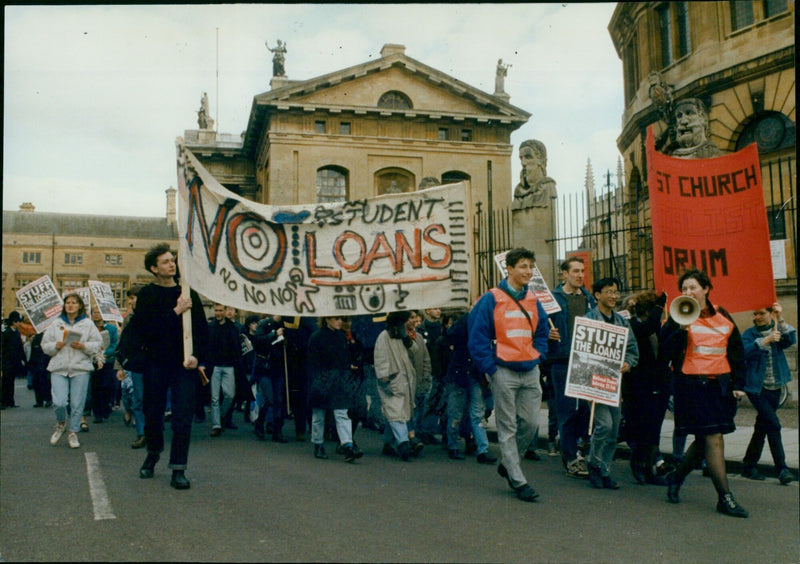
[(710, 213)]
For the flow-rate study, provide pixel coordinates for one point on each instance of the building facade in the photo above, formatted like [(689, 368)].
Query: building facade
[(739, 58), (75, 248), (375, 128)]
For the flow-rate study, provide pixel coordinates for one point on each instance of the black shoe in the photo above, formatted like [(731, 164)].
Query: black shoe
[(259, 431), (416, 446), (279, 438), (470, 447), (532, 455), (140, 442), (638, 473), (674, 481), (48, 404), (729, 506), (404, 450), (179, 481), (501, 470), (149, 466), (785, 477), (595, 477), (388, 450), (753, 474), (98, 420), (349, 453), (609, 484), (485, 458), (319, 452), (216, 431), (455, 454), (526, 493), (429, 439)]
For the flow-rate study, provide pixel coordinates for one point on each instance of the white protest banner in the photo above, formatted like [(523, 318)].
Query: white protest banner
[(393, 252), (84, 292), (41, 302), (595, 361), (537, 284), (106, 303), (777, 248)]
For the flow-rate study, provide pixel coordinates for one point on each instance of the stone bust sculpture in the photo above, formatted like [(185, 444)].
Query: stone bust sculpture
[(535, 188), (692, 131)]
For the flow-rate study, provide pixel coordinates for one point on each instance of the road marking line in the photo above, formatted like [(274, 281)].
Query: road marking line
[(97, 489)]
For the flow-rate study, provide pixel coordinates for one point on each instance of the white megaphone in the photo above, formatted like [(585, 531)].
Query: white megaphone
[(684, 310)]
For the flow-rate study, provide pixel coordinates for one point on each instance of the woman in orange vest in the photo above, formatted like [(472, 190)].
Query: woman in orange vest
[(707, 360)]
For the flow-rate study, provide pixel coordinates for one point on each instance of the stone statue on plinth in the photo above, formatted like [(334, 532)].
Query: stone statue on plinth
[(278, 58), (535, 188), (692, 131), (204, 120), (500, 77)]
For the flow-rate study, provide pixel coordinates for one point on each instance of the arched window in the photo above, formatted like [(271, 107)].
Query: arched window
[(395, 100), (332, 184), (452, 176), (394, 181), (771, 131)]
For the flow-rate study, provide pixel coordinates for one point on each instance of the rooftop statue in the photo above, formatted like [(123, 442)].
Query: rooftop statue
[(278, 58)]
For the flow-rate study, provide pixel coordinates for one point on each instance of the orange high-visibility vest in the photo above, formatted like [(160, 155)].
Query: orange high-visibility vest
[(512, 330), (706, 352)]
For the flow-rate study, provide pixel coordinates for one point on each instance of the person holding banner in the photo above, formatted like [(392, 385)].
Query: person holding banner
[(607, 417), (707, 359), (159, 310), (511, 315), (767, 373), (71, 341), (573, 414)]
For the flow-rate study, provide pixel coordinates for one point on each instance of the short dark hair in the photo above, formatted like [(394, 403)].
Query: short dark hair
[(699, 275), (570, 260), (151, 258), (604, 283), (134, 290), (516, 255)]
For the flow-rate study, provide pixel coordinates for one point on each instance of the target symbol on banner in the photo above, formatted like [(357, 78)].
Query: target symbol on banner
[(257, 248)]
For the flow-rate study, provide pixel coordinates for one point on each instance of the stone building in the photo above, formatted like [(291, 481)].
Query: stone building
[(739, 58), (378, 127), (75, 248)]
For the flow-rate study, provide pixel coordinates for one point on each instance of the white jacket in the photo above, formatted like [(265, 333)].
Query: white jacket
[(69, 361)]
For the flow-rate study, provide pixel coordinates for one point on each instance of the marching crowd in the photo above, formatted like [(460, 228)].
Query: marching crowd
[(419, 378)]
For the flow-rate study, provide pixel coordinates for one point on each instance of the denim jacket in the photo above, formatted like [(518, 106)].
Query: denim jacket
[(755, 357)]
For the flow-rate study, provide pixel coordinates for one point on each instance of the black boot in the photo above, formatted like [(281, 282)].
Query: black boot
[(674, 481), (319, 452), (404, 450), (179, 481), (149, 465), (595, 477)]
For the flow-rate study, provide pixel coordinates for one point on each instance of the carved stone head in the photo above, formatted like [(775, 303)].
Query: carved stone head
[(691, 123), (533, 157)]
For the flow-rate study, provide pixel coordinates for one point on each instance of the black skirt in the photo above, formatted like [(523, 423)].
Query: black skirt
[(703, 406)]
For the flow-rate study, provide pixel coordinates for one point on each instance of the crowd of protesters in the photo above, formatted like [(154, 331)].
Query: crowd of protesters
[(420, 378)]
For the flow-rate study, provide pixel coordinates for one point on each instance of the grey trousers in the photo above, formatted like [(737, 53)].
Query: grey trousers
[(517, 401), (604, 437)]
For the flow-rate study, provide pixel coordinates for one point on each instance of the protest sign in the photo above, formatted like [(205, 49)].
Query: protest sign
[(595, 361), (104, 297), (393, 252), (537, 285), (710, 213), (41, 302)]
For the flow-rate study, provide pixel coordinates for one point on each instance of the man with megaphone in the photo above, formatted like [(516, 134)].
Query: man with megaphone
[(705, 350)]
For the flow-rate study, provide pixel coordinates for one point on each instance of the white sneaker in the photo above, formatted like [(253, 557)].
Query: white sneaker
[(73, 440), (54, 438)]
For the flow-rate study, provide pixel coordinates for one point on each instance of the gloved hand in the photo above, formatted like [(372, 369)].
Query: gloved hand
[(661, 300)]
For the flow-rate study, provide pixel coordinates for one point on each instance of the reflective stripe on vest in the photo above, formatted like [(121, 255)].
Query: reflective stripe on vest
[(513, 331), (708, 345)]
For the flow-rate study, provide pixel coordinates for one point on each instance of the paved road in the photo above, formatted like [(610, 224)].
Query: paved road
[(262, 501)]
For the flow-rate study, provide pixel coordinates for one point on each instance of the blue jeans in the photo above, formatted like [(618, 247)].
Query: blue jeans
[(132, 399), (344, 427), (470, 398), (223, 379), (573, 414), (767, 426), (604, 437), (395, 432), (72, 390)]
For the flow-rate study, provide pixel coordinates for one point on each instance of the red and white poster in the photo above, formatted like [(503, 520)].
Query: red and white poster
[(710, 213)]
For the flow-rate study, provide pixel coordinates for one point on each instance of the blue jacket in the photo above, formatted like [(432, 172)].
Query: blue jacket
[(559, 350), (755, 358), (481, 335), (632, 348)]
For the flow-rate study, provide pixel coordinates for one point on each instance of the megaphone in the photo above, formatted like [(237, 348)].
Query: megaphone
[(684, 310)]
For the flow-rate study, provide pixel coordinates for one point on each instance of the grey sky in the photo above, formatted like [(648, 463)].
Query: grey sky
[(96, 95)]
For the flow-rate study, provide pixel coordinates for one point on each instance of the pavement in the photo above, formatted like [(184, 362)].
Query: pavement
[(735, 444)]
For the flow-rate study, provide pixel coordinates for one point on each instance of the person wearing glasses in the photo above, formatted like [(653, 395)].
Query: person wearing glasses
[(707, 359), (607, 417)]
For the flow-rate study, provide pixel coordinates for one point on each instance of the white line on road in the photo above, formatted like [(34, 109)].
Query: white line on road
[(97, 489)]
